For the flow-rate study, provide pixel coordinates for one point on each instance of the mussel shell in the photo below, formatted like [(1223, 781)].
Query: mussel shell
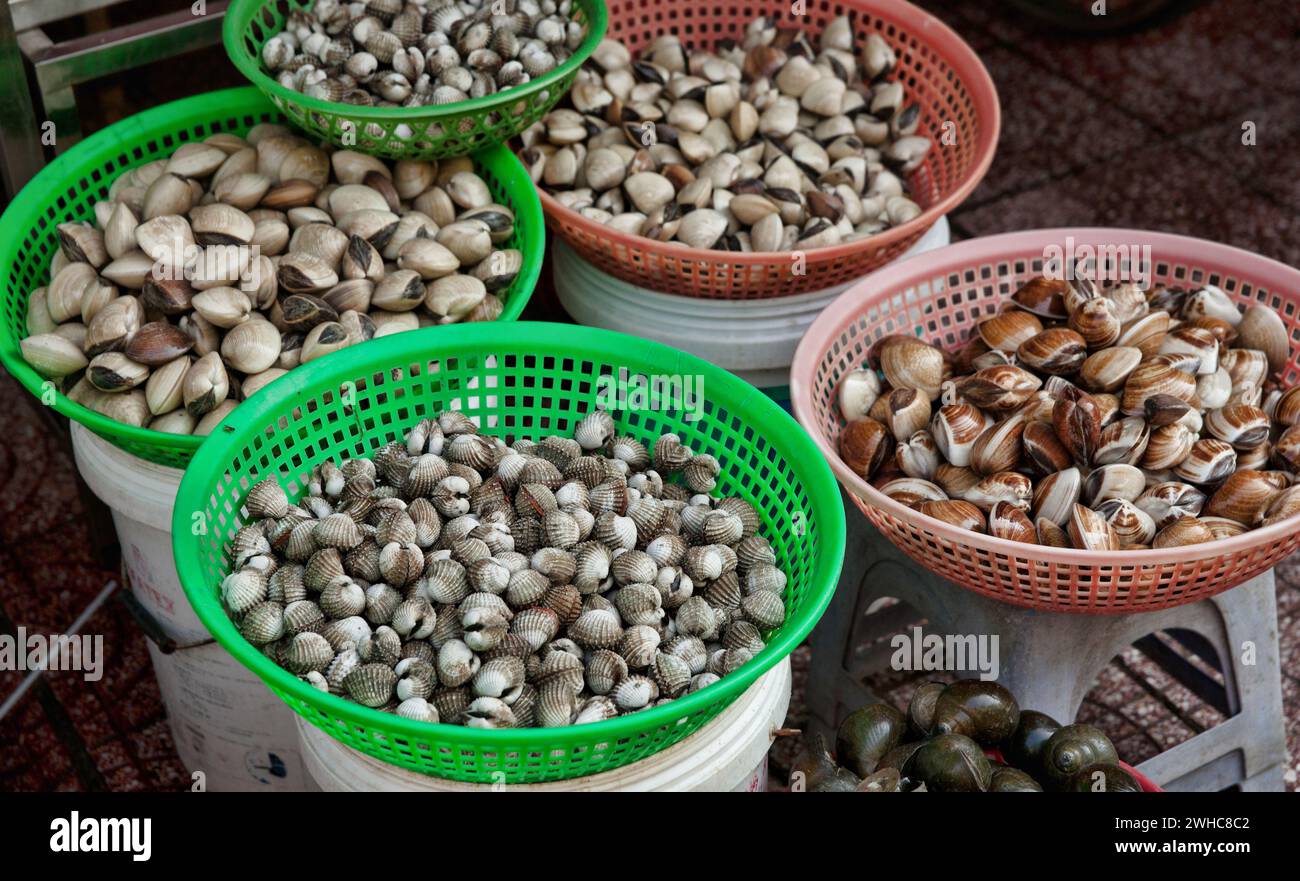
[(1024, 748), (866, 735), (983, 711), (1007, 779), (1073, 748), (951, 763), (1103, 777)]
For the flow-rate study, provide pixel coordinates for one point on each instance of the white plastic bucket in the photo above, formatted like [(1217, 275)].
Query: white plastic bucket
[(728, 754), (226, 723), (755, 339)]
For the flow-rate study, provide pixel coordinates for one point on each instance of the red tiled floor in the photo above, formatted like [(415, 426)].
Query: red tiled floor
[(1036, 145), (1167, 188)]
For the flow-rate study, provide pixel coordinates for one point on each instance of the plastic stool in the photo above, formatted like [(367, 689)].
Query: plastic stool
[(1050, 661)]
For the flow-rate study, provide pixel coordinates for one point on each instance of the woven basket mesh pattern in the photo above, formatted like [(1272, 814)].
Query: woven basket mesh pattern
[(516, 380), (940, 297), (959, 113)]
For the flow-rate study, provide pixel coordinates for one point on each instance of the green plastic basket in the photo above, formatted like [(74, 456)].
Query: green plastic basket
[(68, 188), (429, 132), (519, 380)]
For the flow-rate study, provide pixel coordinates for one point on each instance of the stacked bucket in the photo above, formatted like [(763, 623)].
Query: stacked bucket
[(741, 311)]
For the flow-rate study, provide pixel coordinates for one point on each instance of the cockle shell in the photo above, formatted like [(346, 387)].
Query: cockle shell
[(500, 677), (263, 623), (635, 692), (308, 651), (457, 663), (242, 590), (596, 629), (266, 498)]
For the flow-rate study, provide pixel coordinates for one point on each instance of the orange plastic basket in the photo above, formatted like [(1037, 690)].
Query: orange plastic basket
[(959, 113), (940, 296)]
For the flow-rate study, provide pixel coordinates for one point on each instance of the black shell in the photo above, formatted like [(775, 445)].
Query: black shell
[(866, 735), (1103, 778), (1072, 749), (1024, 748), (815, 771), (983, 711), (920, 712), (951, 763), (1007, 779), (897, 758)]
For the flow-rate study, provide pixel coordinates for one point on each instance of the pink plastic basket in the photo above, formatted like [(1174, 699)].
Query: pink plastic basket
[(940, 296), (959, 113)]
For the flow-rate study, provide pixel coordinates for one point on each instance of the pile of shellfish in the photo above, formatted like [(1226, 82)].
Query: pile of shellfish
[(209, 274), (769, 143), (1099, 418), (412, 53), (456, 578), (967, 736)]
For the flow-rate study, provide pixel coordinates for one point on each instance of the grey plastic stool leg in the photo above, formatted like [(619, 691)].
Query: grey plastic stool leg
[(1051, 660)]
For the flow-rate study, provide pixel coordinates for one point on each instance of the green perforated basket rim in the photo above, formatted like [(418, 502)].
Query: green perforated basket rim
[(67, 188), (250, 23), (784, 459)]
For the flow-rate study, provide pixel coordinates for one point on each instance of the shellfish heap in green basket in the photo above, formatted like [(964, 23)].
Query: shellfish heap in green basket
[(413, 78), (454, 578), (199, 250), (469, 520)]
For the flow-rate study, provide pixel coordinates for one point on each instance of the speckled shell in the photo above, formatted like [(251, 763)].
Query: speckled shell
[(307, 651), (596, 629), (696, 617), (537, 626), (604, 670), (266, 498), (564, 668)]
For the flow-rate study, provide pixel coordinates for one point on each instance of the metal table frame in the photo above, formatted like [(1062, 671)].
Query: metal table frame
[(58, 67)]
